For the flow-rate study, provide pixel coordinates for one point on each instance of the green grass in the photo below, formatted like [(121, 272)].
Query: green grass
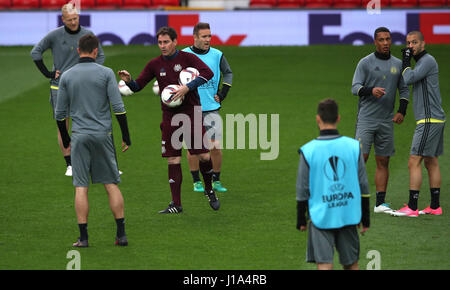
[(255, 227)]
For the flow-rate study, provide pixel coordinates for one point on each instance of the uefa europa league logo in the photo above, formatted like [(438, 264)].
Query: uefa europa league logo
[(334, 168)]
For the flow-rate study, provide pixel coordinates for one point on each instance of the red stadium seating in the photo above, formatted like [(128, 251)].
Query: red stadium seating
[(290, 3), (136, 4), (162, 3), (346, 3), (263, 3), (432, 3), (108, 4), (403, 3), (25, 4), (383, 3), (52, 4), (5, 4), (318, 3), (87, 4)]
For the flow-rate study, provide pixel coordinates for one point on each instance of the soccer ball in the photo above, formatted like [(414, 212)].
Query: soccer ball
[(124, 89), (187, 75), (156, 88), (167, 94)]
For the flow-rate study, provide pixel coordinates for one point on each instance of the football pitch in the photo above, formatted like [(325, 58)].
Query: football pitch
[(255, 226)]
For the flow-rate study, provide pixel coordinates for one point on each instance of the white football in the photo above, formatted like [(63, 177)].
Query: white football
[(167, 94), (124, 89), (187, 75), (156, 88)]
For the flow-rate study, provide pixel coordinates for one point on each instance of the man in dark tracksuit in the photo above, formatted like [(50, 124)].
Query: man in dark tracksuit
[(166, 69), (88, 90)]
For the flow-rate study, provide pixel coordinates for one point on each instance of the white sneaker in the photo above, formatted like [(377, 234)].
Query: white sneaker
[(69, 171), (382, 208), (120, 172)]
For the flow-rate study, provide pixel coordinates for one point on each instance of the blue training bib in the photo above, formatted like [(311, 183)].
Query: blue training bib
[(335, 199), (208, 90)]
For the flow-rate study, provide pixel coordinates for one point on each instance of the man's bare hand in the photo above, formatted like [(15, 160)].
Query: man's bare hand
[(124, 146), (363, 230), (378, 92), (124, 75), (398, 118), (180, 93)]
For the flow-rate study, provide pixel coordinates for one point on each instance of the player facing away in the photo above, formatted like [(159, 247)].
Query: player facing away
[(88, 90), (332, 185), (376, 80), (166, 69), (63, 43), (211, 100), (428, 139)]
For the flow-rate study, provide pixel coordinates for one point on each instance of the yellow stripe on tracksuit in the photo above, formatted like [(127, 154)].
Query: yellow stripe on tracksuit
[(429, 120), (405, 69)]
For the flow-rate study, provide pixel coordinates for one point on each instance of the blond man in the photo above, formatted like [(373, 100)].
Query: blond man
[(63, 42)]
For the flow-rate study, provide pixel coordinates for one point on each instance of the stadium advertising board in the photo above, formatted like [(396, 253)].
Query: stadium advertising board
[(237, 28)]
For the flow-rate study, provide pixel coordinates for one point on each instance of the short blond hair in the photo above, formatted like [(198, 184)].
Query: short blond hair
[(418, 33), (69, 8)]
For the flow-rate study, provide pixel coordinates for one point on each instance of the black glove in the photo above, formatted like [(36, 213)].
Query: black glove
[(64, 134), (223, 93), (365, 91), (302, 208), (403, 106), (406, 53), (123, 123), (365, 209), (43, 69)]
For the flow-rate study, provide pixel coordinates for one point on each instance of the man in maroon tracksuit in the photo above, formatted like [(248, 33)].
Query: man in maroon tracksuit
[(166, 68)]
